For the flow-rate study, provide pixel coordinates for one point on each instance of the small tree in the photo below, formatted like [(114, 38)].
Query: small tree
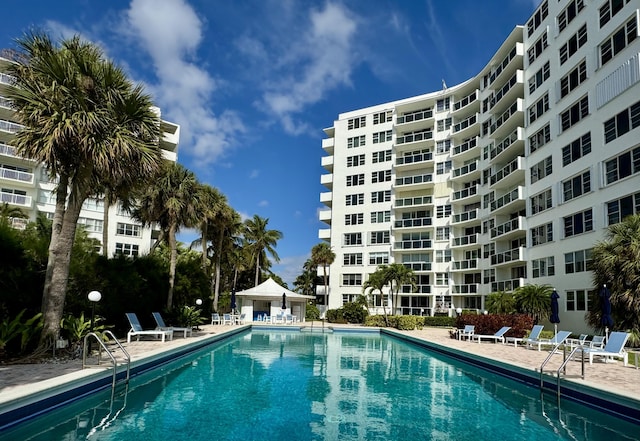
[(534, 300), (501, 302)]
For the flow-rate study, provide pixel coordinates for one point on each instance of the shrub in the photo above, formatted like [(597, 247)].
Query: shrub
[(406, 322), (439, 321), (488, 324), (312, 312), (12, 329), (354, 312), (374, 320), (335, 316), (190, 317)]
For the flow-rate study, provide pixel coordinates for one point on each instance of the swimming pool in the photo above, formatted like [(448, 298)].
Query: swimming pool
[(291, 385)]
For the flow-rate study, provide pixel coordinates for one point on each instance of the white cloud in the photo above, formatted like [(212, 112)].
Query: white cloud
[(171, 31), (289, 268), (263, 203), (254, 174)]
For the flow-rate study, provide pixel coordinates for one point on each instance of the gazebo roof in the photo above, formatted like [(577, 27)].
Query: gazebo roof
[(269, 289)]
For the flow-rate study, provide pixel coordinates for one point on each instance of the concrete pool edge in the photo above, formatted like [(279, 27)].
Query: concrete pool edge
[(604, 401), (23, 404)]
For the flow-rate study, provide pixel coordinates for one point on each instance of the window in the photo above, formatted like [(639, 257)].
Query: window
[(576, 186), (578, 300), (379, 237), (91, 225), (541, 201), (443, 233), (352, 279), (575, 113), (382, 117), (609, 9), (541, 169), (353, 180), (355, 123), (353, 238), (443, 146), (92, 204), (578, 261), (443, 104), (128, 229), (356, 141), (539, 77), (443, 167), (538, 108), (574, 43), (622, 123), (569, 13), (621, 166), (378, 217), (577, 149), (382, 156), (613, 45), (354, 161), (380, 176), (443, 256), (442, 279), (378, 258), (540, 138), (381, 137), (573, 79), (355, 199), (353, 219), (541, 234), (537, 48), (443, 211), (380, 196), (127, 249), (537, 18), (444, 124), (544, 267), (578, 223), (352, 259), (623, 207)]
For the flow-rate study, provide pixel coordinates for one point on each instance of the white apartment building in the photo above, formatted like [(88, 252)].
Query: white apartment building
[(25, 184), (507, 179)]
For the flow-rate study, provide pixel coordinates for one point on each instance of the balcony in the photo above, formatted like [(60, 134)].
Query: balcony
[(508, 121), (515, 255), (513, 200), (419, 244), (15, 199), (414, 120), (415, 181), (414, 138), (461, 265), (17, 176), (18, 223), (10, 127), (414, 202), (328, 145), (327, 163), (466, 126), (467, 216), (514, 226), (471, 288), (466, 149), (465, 102), (413, 223), (464, 241), (326, 198), (324, 233), (515, 138), (418, 266), (6, 111), (8, 150), (466, 193), (467, 171), (509, 175), (506, 285), (6, 79), (327, 180), (414, 161), (325, 216)]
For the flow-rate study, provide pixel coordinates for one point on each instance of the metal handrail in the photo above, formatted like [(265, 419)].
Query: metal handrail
[(113, 359), (564, 364), (546, 360)]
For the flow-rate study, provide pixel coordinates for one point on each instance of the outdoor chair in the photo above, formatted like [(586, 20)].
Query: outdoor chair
[(163, 327), (597, 342), (136, 329), (289, 319), (240, 320), (556, 340), (226, 319), (215, 319), (467, 332), (498, 336), (533, 336), (279, 318), (580, 341), (613, 349)]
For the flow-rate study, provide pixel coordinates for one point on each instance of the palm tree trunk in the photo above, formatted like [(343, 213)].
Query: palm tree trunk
[(172, 265), (326, 288), (204, 245), (216, 294), (105, 223), (257, 269), (384, 308)]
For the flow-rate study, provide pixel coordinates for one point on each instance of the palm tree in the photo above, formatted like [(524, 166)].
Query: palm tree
[(398, 274), (616, 263), (261, 241), (305, 283), (376, 282), (322, 255), (501, 302), (171, 203), (534, 300), (228, 225), (87, 124)]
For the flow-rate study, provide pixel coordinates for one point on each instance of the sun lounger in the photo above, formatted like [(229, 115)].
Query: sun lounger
[(498, 336), (226, 319), (613, 349), (215, 319), (597, 342), (533, 336), (467, 332), (557, 339), (163, 327), (240, 319), (136, 329)]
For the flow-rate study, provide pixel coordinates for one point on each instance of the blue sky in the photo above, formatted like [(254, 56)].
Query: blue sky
[(253, 82)]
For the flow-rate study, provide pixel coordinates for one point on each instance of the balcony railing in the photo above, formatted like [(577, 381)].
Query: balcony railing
[(418, 266), (16, 175), (466, 216), (18, 223), (7, 150), (465, 169), (471, 288), (421, 135), (465, 264), (513, 195), (8, 126), (409, 223), (415, 116), (469, 191), (513, 225), (413, 159), (465, 101), (465, 240), (500, 67), (505, 171), (504, 144), (410, 202), (508, 256), (5, 102), (417, 179), (15, 199), (506, 285), (412, 244), (465, 123), (467, 145), (503, 118), (6, 79)]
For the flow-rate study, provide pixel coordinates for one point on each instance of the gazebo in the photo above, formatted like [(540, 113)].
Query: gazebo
[(266, 298)]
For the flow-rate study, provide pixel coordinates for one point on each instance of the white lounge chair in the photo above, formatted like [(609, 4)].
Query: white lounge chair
[(597, 342), (215, 319), (467, 332), (226, 319), (557, 339), (136, 329), (532, 337), (580, 341), (163, 327), (279, 318), (289, 319), (498, 336), (240, 320), (613, 349)]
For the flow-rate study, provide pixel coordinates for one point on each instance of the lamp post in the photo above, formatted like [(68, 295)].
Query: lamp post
[(94, 297), (459, 311), (198, 303)]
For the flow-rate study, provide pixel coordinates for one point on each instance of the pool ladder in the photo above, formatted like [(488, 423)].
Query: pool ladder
[(114, 361), (563, 366)]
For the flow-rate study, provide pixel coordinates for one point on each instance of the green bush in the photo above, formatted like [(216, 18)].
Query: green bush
[(312, 312), (488, 324), (442, 320), (374, 320), (407, 322), (354, 312), (190, 317), (335, 316)]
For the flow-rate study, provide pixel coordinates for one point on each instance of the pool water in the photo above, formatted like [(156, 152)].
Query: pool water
[(290, 385)]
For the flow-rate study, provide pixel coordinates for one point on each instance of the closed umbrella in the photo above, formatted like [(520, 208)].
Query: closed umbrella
[(284, 300), (605, 304), (555, 310), (233, 301)]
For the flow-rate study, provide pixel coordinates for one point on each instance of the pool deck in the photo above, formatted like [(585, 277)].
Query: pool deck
[(20, 381)]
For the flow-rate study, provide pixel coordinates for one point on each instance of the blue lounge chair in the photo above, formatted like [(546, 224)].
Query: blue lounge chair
[(534, 335), (136, 329), (467, 332), (215, 319), (613, 349), (498, 336), (556, 340), (163, 327)]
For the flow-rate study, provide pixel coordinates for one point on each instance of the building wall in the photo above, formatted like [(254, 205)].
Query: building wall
[(506, 179), (26, 184)]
